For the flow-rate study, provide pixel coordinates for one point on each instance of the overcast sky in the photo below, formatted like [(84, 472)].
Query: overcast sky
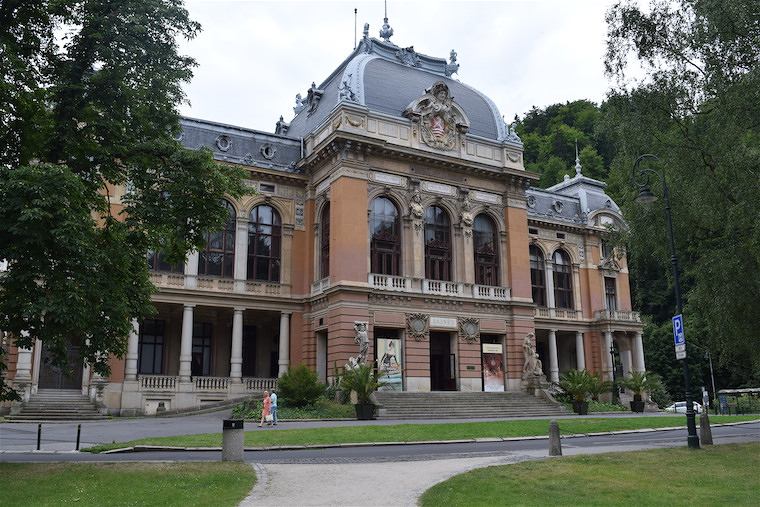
[(253, 57)]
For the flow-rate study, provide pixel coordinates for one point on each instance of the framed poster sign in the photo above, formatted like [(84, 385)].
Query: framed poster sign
[(493, 367), (389, 363)]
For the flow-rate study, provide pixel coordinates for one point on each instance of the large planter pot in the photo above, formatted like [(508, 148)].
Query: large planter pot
[(365, 411), (580, 407), (637, 406)]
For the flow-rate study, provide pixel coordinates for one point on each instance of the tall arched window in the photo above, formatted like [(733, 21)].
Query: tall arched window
[(537, 276), (563, 273), (218, 258), (437, 244), (385, 234), (264, 241), (324, 242), (486, 251)]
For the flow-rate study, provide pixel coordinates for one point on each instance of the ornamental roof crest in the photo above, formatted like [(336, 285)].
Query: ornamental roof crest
[(441, 120)]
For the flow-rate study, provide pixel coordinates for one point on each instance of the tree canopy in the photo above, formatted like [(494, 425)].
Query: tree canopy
[(89, 102)]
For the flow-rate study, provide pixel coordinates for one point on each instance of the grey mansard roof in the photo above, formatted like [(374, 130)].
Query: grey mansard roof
[(386, 78)]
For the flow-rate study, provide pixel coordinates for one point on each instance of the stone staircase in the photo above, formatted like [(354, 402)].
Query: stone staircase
[(462, 405), (57, 405)]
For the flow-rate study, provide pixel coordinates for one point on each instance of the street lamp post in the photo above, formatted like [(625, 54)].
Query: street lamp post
[(640, 178), (615, 392)]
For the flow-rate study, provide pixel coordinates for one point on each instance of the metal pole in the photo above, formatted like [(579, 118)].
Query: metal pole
[(691, 423), (79, 433), (39, 435), (712, 379), (615, 394)]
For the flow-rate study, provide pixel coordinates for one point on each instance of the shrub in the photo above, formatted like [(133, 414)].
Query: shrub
[(362, 380), (598, 386), (300, 387), (577, 384)]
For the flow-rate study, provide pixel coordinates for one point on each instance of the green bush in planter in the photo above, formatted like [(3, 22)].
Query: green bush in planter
[(640, 381), (577, 384), (362, 380), (300, 387), (598, 386)]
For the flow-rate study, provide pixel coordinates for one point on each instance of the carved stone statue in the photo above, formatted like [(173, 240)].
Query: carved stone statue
[(467, 218), (532, 368), (415, 207), (362, 340), (441, 120), (299, 104)]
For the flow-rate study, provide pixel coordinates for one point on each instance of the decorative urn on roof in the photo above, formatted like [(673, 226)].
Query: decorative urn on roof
[(441, 120)]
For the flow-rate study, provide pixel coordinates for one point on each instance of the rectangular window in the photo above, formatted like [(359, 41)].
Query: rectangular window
[(157, 262), (531, 230), (150, 347), (607, 250), (610, 294), (201, 355)]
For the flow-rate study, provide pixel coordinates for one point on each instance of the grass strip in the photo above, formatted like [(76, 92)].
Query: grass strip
[(144, 484), (261, 437), (715, 475)]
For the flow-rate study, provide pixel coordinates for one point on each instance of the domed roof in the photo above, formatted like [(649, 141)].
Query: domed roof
[(386, 78)]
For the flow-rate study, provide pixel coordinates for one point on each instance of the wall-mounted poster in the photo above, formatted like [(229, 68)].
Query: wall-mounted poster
[(493, 367), (389, 363)]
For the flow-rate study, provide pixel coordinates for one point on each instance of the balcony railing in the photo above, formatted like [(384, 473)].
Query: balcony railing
[(211, 383), (490, 292), (390, 282), (442, 288), (167, 279), (320, 286), (618, 315), (266, 288), (557, 313), (259, 383), (217, 284), (158, 382)]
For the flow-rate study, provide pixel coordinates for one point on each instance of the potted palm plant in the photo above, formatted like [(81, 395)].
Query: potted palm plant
[(598, 386), (639, 382), (361, 382), (576, 384)]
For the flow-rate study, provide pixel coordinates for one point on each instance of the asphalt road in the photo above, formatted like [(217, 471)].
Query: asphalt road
[(378, 453)]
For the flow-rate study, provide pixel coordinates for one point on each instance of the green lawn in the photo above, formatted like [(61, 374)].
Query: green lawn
[(144, 484), (419, 432), (715, 475)]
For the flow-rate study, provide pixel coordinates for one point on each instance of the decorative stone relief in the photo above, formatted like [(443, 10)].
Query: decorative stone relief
[(408, 56), (299, 221), (417, 326), (439, 188), (416, 210), (452, 67), (268, 151), (361, 339), (466, 216), (469, 329), (531, 201), (390, 179), (345, 92), (558, 205), (299, 104), (532, 368), (441, 121), (486, 197), (223, 142)]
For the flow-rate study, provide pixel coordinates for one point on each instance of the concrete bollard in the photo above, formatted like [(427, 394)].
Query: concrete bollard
[(705, 433), (233, 438), (555, 445)]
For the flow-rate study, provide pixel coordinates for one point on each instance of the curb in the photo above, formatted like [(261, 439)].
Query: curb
[(153, 448)]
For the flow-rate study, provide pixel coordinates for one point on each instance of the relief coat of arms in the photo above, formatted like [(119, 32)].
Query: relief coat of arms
[(441, 120)]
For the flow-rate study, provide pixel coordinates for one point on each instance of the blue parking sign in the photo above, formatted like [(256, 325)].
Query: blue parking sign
[(678, 335)]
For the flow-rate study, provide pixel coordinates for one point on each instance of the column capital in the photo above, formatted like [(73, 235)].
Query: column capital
[(188, 305), (554, 331), (286, 313), (240, 309)]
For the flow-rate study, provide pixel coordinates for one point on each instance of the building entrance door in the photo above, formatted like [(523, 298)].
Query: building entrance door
[(55, 377), (442, 363)]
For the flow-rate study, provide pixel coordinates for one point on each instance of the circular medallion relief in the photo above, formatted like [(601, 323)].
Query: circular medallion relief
[(223, 142)]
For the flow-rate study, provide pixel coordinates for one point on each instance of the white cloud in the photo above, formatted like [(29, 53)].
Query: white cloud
[(255, 56)]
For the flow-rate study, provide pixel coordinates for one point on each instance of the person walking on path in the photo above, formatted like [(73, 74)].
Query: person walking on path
[(266, 411), (273, 398)]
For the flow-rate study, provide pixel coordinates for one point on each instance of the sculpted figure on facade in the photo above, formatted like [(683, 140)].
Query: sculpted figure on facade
[(416, 210), (532, 366), (361, 339), (466, 216), (440, 119)]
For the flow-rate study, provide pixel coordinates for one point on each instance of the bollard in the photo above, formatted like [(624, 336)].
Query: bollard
[(39, 435), (555, 445), (233, 438), (79, 433), (705, 433)]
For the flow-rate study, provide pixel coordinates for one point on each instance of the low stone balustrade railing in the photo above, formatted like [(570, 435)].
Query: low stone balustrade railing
[(259, 384), (390, 282), (619, 315), (217, 284), (557, 313), (266, 288), (320, 286), (167, 279), (442, 288), (158, 382), (211, 383), (490, 292)]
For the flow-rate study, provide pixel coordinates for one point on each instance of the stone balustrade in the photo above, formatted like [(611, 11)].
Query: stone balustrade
[(491, 292), (390, 282), (158, 382), (557, 313), (442, 288), (169, 280), (259, 383), (320, 286), (171, 384), (211, 383), (618, 315)]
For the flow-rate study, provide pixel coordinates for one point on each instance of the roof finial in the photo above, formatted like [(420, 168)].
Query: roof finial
[(386, 32), (577, 160)]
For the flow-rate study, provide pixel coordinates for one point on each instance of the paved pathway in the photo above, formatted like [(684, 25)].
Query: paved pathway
[(61, 436)]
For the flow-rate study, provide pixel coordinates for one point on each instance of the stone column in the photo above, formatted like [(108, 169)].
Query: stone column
[(186, 347), (284, 361), (241, 253), (236, 357), (553, 362), (577, 290), (549, 271), (626, 361), (130, 368), (638, 350), (579, 351), (191, 270), (606, 354), (23, 365)]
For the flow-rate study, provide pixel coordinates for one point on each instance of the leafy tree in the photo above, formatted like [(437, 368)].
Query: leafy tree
[(88, 105), (697, 109)]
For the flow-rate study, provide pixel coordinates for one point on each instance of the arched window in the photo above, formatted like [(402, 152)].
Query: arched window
[(264, 240), (437, 244), (537, 276), (385, 238), (218, 258), (157, 262), (486, 251), (563, 287), (324, 241)]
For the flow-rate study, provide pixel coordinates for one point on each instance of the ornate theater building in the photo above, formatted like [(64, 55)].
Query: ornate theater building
[(396, 197)]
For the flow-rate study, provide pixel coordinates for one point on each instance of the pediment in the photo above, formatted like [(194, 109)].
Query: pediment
[(441, 120)]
